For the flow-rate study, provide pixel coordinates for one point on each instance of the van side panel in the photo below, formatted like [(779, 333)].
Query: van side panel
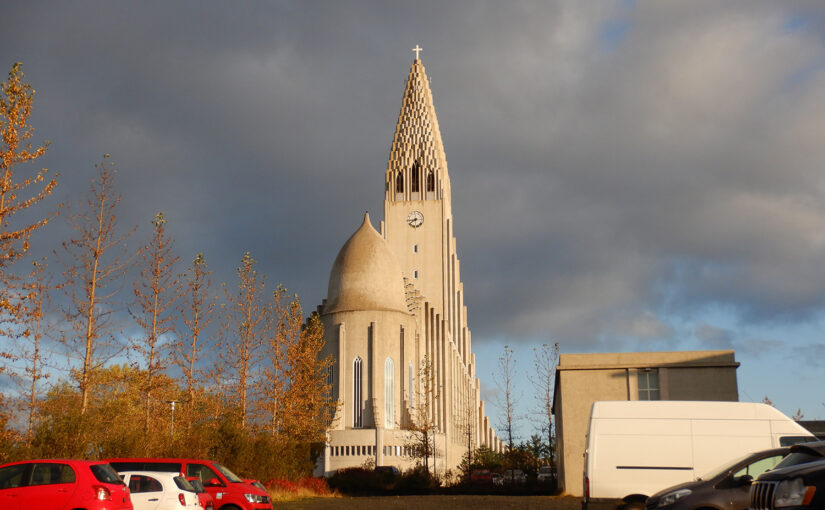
[(716, 441), (644, 454)]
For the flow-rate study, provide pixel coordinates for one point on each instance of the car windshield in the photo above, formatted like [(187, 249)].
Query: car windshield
[(727, 466), (797, 458), (105, 474), (232, 477)]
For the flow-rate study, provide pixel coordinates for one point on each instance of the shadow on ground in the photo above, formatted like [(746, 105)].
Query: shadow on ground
[(473, 502)]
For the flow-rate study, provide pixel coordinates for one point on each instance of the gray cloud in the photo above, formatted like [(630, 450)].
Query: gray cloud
[(613, 165)]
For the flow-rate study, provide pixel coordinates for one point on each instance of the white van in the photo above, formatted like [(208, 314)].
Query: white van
[(637, 448)]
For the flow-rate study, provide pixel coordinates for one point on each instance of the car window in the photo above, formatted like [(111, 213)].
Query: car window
[(183, 484), (197, 485), (143, 483), (201, 471), (795, 458), (232, 477), (105, 473), (792, 440), (47, 474), (755, 469), (12, 476)]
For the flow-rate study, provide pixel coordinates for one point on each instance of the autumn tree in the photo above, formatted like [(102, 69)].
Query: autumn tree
[(197, 311), (422, 426), (18, 193), (16, 99), (245, 328), (94, 268), (295, 392), (33, 302), (508, 400), (545, 360), (156, 292)]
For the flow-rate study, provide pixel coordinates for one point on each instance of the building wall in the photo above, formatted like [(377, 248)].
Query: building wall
[(582, 379)]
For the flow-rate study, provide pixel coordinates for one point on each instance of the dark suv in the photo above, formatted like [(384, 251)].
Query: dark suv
[(798, 482)]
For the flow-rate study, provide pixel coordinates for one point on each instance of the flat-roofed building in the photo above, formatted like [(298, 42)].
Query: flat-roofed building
[(582, 379)]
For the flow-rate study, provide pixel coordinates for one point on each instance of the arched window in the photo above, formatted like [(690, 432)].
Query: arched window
[(357, 394), (389, 393), (430, 181), (416, 177), (399, 183)]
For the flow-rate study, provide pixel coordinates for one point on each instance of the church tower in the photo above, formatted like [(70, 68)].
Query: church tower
[(395, 303), (418, 208)]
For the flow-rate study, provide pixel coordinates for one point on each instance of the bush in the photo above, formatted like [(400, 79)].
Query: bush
[(416, 480), (358, 480)]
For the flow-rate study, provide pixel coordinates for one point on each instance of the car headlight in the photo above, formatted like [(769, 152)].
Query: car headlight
[(673, 497), (254, 498), (793, 493)]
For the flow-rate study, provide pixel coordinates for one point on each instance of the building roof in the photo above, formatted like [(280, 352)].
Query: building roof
[(365, 275)]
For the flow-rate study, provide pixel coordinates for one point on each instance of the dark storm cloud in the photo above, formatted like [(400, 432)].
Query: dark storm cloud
[(613, 165)]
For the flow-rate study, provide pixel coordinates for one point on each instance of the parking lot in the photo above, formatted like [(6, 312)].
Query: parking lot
[(468, 502)]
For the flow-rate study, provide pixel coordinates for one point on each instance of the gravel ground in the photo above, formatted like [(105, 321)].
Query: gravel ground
[(437, 502)]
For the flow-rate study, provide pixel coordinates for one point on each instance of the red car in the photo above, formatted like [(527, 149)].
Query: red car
[(227, 489), (62, 484)]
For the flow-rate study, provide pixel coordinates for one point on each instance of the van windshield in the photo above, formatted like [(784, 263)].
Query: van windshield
[(232, 477)]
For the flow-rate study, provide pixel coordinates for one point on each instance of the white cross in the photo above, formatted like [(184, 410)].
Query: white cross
[(417, 50)]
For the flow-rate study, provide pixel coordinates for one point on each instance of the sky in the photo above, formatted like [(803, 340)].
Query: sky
[(626, 176)]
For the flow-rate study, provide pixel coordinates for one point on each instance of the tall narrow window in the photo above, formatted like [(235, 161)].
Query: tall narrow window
[(357, 395), (430, 181), (399, 183), (415, 177), (648, 384), (412, 389), (389, 394)]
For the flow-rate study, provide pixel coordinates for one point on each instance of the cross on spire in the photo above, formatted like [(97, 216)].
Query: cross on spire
[(417, 50)]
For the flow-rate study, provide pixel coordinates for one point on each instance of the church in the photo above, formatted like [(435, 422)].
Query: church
[(394, 315)]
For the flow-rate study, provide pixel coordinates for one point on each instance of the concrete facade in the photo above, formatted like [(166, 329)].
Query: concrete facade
[(395, 299), (582, 379)]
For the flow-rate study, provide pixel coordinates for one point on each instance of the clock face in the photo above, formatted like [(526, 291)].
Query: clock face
[(415, 219)]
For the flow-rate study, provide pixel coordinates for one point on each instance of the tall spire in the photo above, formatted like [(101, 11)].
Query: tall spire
[(417, 141)]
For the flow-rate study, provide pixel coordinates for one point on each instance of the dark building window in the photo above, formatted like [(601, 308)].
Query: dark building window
[(357, 395), (416, 177), (399, 183), (430, 181)]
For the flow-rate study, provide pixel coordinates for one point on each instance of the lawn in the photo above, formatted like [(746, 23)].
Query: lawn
[(447, 502)]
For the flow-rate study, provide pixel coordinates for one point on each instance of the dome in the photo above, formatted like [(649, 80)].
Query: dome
[(366, 275)]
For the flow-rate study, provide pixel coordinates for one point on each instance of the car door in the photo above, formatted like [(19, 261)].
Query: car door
[(210, 479), (12, 481), (146, 491), (50, 486), (739, 494)]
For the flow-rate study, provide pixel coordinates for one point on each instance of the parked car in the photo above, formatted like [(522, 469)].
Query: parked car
[(545, 475), (727, 486), (227, 489), (206, 499), (156, 490), (59, 484), (514, 477), (497, 479), (481, 477), (796, 482)]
